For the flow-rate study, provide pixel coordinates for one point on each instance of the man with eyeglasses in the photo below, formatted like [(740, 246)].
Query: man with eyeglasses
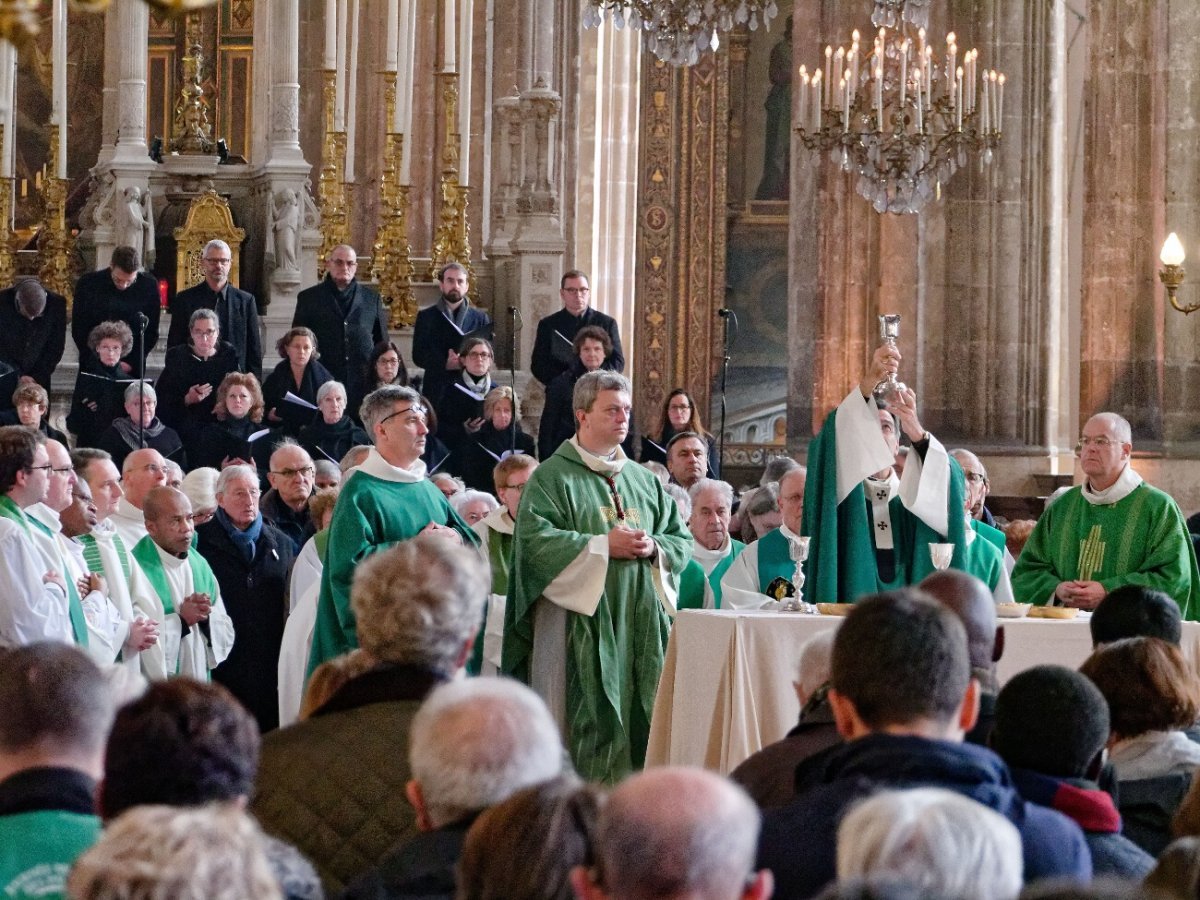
[(1112, 530), (34, 603), (141, 472), (118, 293), (236, 309), (553, 348), (387, 499), (347, 317), (981, 522), (590, 598), (441, 328), (291, 476), (251, 559)]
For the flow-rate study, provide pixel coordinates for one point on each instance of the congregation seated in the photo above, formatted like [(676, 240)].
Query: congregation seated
[(299, 373), (100, 385), (473, 744), (327, 473), (1135, 611), (332, 784), (208, 853), (200, 487), (56, 714), (290, 475), (140, 428), (385, 367), (591, 346), (31, 404), (500, 434), (758, 512), (436, 454), (191, 374), (933, 839), (679, 415), (460, 410), (1152, 695), (1052, 728), (473, 506), (526, 846), (769, 776), (238, 415), (186, 745), (328, 436)]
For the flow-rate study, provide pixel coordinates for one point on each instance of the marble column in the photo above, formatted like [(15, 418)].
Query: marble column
[(124, 160), (280, 199)]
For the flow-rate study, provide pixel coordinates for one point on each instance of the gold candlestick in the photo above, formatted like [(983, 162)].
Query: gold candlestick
[(335, 209), (391, 255), (55, 243), (452, 240), (8, 260)]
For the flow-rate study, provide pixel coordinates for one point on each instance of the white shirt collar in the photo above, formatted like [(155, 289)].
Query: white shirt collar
[(1125, 484), (380, 468), (599, 463)]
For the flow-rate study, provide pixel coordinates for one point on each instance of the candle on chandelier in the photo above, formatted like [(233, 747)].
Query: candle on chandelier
[(329, 59), (920, 108), (985, 111), (879, 97), (958, 111), (999, 102), (839, 62), (903, 73), (828, 68), (817, 98), (804, 88), (59, 77), (393, 26), (852, 67), (845, 104), (927, 67)]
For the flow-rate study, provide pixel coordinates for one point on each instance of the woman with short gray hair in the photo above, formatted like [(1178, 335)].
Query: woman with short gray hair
[(191, 375), (140, 427), (332, 433)]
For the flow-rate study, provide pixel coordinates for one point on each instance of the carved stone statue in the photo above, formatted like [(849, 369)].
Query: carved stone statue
[(285, 222), (135, 220)]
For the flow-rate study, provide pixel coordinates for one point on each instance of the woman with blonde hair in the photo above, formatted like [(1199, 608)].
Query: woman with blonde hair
[(500, 435), (239, 413)]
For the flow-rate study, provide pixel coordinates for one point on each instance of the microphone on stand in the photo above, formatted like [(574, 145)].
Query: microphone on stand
[(724, 312)]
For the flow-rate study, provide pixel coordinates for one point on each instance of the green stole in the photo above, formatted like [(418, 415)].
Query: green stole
[(691, 587), (321, 543), (145, 552), (91, 554), (775, 560), (10, 510), (719, 570), (500, 556)]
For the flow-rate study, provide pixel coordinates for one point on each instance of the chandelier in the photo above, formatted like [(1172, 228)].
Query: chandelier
[(678, 31), (897, 117)]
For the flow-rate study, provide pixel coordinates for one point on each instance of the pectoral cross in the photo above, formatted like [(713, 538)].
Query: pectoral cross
[(1091, 555)]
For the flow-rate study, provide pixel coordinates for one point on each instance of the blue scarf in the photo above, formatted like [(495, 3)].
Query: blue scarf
[(243, 540)]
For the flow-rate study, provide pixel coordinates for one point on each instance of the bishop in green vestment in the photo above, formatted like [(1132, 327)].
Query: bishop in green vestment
[(870, 531), (385, 501), (590, 599), (1114, 529)]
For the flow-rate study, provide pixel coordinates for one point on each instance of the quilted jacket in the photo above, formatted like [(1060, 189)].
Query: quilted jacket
[(333, 785)]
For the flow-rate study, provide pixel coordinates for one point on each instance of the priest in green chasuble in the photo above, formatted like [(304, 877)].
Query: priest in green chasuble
[(714, 550), (870, 530), (765, 572), (590, 599), (1112, 530), (385, 501)]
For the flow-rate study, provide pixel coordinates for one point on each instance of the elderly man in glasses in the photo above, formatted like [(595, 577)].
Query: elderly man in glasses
[(1113, 529), (285, 505)]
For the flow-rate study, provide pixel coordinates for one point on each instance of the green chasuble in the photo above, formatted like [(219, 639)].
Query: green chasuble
[(499, 545), (614, 656), (1140, 539), (991, 534), (841, 565), (373, 512), (38, 848)]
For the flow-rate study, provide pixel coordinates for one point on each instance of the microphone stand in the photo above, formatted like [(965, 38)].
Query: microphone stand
[(512, 374), (726, 314), (143, 322)]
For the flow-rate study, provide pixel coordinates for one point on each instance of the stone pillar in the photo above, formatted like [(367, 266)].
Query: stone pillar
[(280, 200), (124, 160)]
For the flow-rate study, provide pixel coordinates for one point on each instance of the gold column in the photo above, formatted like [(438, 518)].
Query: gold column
[(391, 255), (8, 260), (335, 211), (452, 240), (55, 243)]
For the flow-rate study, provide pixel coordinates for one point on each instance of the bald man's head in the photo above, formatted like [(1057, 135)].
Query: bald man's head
[(969, 599), (168, 514), (670, 832)]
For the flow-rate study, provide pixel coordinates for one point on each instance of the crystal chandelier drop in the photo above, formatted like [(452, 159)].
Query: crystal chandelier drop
[(678, 31), (897, 117)]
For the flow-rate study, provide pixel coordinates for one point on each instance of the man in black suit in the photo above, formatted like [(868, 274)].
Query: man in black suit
[(236, 310), (553, 352), (117, 294), (347, 317), (441, 328), (33, 331)]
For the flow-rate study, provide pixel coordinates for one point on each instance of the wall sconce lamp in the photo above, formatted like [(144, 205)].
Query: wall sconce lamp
[(1171, 273)]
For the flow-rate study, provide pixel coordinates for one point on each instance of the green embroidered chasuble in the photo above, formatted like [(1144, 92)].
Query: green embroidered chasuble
[(1140, 539), (614, 656)]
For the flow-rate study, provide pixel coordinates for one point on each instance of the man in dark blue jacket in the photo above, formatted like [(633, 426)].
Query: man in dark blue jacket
[(903, 697), (440, 330)]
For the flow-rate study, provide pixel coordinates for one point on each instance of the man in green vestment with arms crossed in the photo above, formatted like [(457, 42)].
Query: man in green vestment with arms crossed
[(589, 601), (1113, 529)]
